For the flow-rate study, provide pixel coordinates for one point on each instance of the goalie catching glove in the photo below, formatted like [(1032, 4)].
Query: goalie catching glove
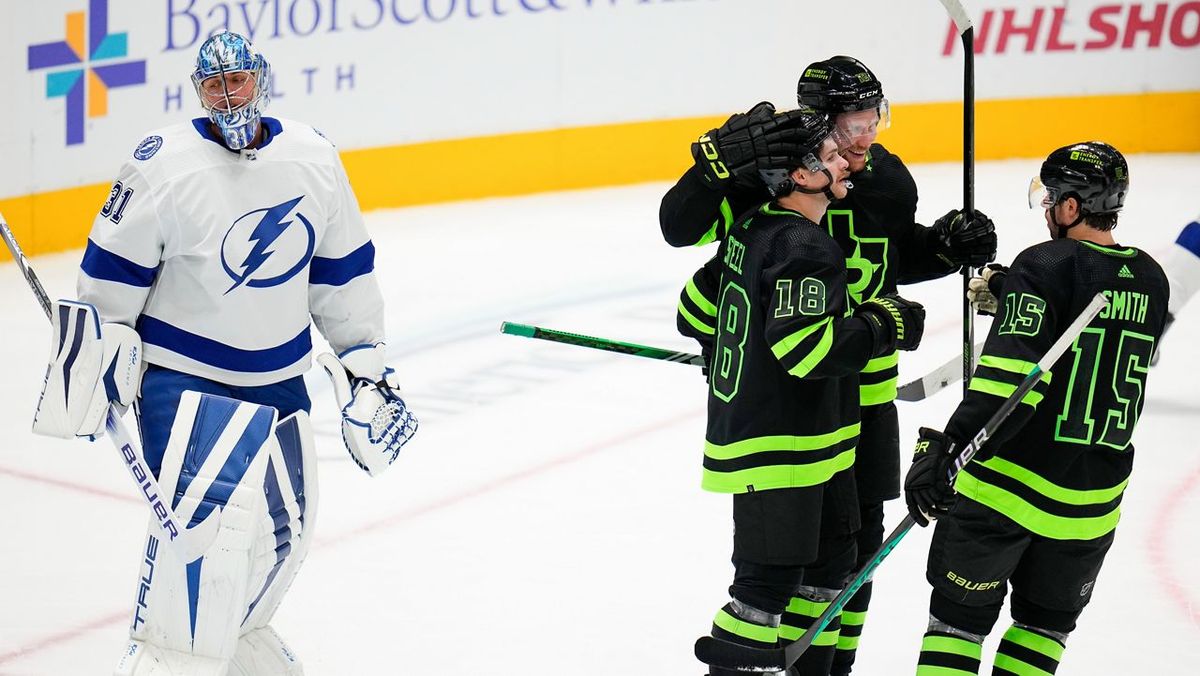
[(376, 423)]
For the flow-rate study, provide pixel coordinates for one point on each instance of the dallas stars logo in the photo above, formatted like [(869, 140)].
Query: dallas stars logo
[(864, 276)]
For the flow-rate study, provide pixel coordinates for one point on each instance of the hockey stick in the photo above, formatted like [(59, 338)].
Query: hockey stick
[(188, 543), (721, 653), (966, 30), (601, 344), (936, 380)]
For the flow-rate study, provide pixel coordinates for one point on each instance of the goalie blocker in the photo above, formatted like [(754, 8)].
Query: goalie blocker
[(91, 365)]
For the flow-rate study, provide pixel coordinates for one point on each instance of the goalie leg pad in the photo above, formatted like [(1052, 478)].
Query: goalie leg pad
[(90, 365), (263, 653), (215, 462), (291, 489)]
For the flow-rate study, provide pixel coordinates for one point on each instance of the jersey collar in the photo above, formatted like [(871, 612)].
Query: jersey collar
[(271, 128)]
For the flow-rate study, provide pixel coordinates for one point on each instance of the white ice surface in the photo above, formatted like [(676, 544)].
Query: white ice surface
[(548, 518)]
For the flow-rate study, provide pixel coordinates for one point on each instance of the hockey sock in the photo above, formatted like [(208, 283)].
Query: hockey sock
[(853, 617), (1025, 651), (740, 623), (947, 654), (799, 616)]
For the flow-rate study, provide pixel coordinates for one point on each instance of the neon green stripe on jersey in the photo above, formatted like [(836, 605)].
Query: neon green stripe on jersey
[(702, 327), (810, 361), (777, 476), (1018, 366), (883, 363), (1036, 520), (719, 226), (815, 442), (1003, 390), (706, 306), (878, 393), (1036, 483)]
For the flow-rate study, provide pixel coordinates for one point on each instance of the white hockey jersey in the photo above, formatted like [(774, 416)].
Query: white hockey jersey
[(219, 258)]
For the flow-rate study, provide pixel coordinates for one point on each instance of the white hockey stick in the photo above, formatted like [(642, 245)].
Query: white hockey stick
[(188, 543), (936, 380)]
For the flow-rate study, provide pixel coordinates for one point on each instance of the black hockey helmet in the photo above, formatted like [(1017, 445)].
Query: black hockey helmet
[(1094, 173), (810, 130), (840, 84)]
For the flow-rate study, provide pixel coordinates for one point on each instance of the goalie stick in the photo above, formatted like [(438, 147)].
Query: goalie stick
[(728, 655), (605, 344), (187, 542), (936, 380)]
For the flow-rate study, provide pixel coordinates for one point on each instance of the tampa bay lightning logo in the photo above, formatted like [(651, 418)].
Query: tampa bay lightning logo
[(266, 248), (148, 147)]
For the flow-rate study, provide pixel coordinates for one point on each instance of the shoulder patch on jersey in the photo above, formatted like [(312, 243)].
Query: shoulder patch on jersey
[(147, 148)]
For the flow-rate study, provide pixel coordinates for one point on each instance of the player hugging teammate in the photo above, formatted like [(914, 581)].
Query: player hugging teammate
[(880, 244)]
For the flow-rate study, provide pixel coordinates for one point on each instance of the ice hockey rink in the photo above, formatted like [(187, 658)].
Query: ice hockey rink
[(547, 518)]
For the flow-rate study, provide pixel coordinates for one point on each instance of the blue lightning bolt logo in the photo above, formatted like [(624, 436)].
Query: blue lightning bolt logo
[(270, 227)]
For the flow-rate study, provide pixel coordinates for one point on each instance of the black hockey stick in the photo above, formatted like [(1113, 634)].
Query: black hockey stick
[(601, 344), (966, 30), (721, 653), (188, 542)]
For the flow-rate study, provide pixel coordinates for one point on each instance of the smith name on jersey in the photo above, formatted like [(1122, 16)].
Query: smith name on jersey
[(219, 258)]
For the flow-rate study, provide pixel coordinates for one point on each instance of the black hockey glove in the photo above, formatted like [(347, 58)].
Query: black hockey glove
[(896, 323), (746, 144), (985, 289), (972, 243), (927, 488)]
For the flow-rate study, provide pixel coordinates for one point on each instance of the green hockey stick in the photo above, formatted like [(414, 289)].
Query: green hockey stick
[(601, 344)]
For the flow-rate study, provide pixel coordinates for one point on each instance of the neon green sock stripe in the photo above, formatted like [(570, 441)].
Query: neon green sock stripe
[(952, 646), (847, 642), (740, 627), (809, 611), (1018, 667), (855, 618), (706, 329), (1035, 642)]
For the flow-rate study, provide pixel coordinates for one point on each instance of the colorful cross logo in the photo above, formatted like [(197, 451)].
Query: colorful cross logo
[(72, 83)]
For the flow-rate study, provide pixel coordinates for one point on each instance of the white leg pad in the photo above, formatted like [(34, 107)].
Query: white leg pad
[(189, 614), (262, 653), (291, 488)]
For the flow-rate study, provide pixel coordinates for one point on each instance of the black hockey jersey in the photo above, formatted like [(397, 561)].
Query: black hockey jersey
[(783, 392), (1059, 465), (874, 225)]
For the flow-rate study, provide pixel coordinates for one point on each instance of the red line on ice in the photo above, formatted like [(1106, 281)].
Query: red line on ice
[(1159, 545), (60, 638), (80, 488)]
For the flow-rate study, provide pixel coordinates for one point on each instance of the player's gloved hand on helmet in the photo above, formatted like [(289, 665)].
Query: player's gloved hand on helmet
[(376, 422), (896, 323), (985, 289), (927, 488), (965, 242), (746, 144)]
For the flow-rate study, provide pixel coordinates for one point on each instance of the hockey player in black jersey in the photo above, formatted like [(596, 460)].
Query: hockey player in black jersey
[(1038, 505), (881, 242), (783, 394)]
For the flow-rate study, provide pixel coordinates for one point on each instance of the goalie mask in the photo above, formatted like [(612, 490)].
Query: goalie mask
[(233, 82), (817, 136)]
